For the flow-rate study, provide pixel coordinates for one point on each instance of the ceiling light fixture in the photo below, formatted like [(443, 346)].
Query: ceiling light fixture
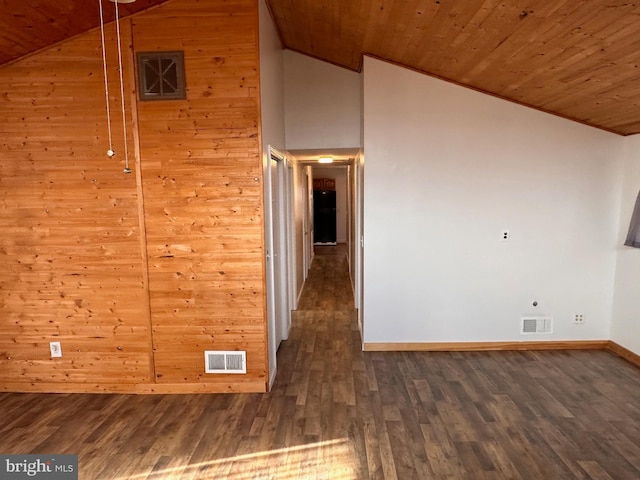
[(325, 160)]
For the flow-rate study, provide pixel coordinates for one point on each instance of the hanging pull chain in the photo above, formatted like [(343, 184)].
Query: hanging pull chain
[(124, 116), (110, 152)]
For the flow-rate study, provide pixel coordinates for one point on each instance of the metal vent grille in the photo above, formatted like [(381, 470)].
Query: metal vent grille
[(216, 361), (537, 325)]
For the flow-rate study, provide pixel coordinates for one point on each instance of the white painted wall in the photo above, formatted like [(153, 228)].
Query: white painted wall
[(339, 174), (273, 132), (448, 168), (322, 104), (271, 82), (625, 327)]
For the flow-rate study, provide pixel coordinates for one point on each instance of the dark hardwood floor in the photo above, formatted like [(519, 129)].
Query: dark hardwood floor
[(338, 413)]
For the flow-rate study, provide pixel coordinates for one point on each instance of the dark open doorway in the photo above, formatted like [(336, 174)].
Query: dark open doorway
[(324, 217)]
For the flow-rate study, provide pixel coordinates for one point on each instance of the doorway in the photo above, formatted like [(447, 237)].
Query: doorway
[(345, 177), (324, 217), (289, 233), (279, 243)]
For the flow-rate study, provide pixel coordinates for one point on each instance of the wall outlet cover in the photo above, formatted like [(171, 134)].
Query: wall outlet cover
[(56, 349)]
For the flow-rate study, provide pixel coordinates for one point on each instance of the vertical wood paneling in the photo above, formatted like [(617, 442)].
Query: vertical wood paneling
[(78, 236), (203, 191)]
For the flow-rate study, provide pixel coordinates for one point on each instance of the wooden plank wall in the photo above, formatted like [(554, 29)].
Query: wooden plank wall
[(203, 190), (136, 275)]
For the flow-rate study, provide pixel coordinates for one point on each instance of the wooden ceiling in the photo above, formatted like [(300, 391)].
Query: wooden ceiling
[(576, 59), (27, 26)]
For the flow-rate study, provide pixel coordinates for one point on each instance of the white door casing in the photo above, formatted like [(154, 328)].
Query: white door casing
[(278, 211)]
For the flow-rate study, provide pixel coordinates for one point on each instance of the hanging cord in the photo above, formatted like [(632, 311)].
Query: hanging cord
[(110, 152), (124, 119)]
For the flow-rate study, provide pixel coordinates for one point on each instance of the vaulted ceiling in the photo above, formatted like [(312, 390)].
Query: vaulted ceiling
[(27, 26), (576, 59)]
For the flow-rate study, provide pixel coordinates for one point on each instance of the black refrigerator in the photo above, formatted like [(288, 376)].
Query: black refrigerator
[(324, 216)]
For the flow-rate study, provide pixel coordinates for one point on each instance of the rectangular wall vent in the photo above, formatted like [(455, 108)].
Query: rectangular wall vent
[(216, 361), (537, 324)]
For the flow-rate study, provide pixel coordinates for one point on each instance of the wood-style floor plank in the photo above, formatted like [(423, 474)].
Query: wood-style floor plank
[(336, 412)]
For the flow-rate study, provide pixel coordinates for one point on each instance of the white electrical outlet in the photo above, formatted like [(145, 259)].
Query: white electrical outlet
[(578, 319), (505, 236), (56, 349)]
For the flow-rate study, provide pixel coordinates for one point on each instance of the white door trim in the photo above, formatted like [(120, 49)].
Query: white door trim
[(278, 228)]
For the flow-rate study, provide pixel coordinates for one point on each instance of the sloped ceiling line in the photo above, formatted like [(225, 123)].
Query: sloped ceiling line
[(28, 26), (578, 60)]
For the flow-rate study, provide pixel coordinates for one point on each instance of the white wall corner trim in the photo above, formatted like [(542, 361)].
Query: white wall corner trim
[(625, 326)]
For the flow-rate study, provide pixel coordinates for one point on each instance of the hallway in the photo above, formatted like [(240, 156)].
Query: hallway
[(337, 413), (321, 366)]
